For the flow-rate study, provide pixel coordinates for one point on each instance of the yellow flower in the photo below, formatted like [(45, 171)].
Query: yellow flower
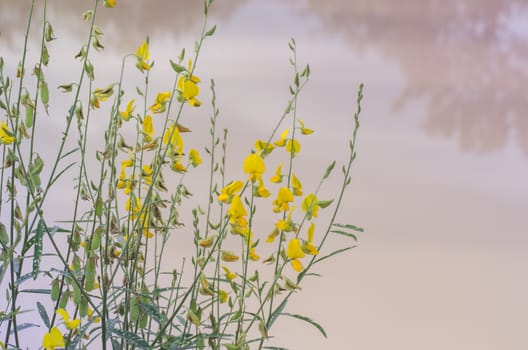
[(282, 141), (286, 225), (222, 295), (66, 317), (310, 206), (254, 166), (296, 186), (177, 166), (146, 173), (227, 193), (236, 210), (53, 339), (207, 242), (133, 206), (293, 147), (253, 255), (304, 131), (148, 129), (173, 136), (128, 111), (105, 93), (229, 275), (309, 247), (188, 88), (142, 56), (272, 235), (110, 3), (6, 136), (194, 157), (263, 147), (284, 197), (161, 101), (277, 178), (228, 256), (261, 191), (295, 252)]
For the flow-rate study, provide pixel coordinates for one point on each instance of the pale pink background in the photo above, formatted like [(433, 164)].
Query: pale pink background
[(441, 178)]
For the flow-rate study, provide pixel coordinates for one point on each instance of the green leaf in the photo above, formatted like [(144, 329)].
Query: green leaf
[(277, 313), (329, 169), (37, 249), (131, 338), (43, 314), (36, 291), (334, 253), (308, 320), (343, 233), (176, 67), (211, 31), (350, 227)]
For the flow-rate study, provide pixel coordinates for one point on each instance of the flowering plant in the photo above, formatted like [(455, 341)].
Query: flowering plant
[(107, 282)]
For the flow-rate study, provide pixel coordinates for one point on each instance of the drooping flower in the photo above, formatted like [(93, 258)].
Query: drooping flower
[(6, 136), (253, 253), (194, 157), (293, 147), (227, 193), (282, 141), (261, 190), (254, 166), (142, 56), (207, 242), (284, 197), (295, 252), (71, 324), (264, 148), (188, 88), (173, 137), (271, 237), (286, 225), (128, 111), (53, 339)]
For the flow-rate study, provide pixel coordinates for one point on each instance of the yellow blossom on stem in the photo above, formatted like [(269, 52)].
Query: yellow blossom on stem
[(295, 252), (161, 101), (71, 324), (293, 147), (260, 190), (222, 295), (194, 158), (177, 166), (53, 339), (133, 206), (6, 136), (142, 56), (310, 206), (188, 88), (284, 197), (253, 254), (296, 186), (271, 237), (227, 193), (110, 3), (125, 115), (105, 93), (264, 148), (236, 210), (148, 129), (228, 256), (277, 178), (229, 275), (173, 137), (304, 131), (309, 247), (282, 141), (207, 242), (254, 166)]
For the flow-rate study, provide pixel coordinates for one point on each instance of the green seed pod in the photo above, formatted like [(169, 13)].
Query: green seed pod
[(89, 274), (96, 238), (64, 299), (29, 116), (134, 308), (55, 289), (44, 93), (143, 320), (76, 294), (83, 308), (4, 237)]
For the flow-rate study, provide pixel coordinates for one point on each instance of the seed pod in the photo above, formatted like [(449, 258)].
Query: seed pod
[(64, 299), (83, 308), (29, 117), (134, 308), (76, 297), (55, 289), (89, 274), (96, 238)]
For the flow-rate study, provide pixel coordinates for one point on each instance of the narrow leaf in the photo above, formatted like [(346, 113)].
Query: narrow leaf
[(308, 320), (343, 233), (43, 314), (334, 253)]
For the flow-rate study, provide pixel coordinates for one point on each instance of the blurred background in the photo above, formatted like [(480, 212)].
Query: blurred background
[(440, 182)]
